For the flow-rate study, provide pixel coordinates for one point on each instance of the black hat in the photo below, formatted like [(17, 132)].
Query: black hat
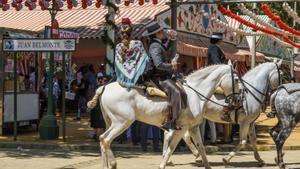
[(152, 29), (217, 35)]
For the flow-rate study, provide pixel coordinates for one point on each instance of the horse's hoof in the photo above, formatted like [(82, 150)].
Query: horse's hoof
[(208, 167), (114, 166), (261, 164), (225, 161), (276, 160), (282, 166), (199, 161), (170, 163)]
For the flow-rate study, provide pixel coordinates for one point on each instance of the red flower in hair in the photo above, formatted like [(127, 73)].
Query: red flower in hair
[(126, 21)]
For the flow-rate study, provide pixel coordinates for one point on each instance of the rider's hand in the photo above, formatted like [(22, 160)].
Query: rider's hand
[(174, 65)]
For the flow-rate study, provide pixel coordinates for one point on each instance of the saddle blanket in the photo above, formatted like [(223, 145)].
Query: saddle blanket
[(291, 87)]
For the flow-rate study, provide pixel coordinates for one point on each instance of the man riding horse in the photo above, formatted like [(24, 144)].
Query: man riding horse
[(162, 70)]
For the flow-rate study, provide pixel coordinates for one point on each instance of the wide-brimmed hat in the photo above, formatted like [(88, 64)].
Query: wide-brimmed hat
[(217, 35), (152, 28)]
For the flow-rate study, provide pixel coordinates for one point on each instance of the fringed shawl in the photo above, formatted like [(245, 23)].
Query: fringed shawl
[(131, 66)]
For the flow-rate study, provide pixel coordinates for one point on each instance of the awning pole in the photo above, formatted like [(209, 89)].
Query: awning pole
[(15, 98), (174, 24), (111, 34), (253, 58), (63, 98), (295, 49)]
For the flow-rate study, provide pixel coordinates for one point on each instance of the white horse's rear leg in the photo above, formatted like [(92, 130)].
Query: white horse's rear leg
[(195, 134), (174, 140), (106, 139), (252, 136), (244, 130)]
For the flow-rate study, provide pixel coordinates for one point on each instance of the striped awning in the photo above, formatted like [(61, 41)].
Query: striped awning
[(88, 22), (236, 24)]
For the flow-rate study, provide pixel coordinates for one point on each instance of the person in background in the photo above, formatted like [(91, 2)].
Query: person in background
[(32, 78), (96, 120), (101, 72), (56, 92), (215, 55), (81, 93), (144, 137)]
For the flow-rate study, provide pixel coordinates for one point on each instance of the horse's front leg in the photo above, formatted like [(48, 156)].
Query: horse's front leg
[(252, 136), (174, 139), (190, 143), (244, 130), (195, 134)]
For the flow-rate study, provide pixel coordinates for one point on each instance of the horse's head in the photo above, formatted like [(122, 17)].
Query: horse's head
[(275, 76)]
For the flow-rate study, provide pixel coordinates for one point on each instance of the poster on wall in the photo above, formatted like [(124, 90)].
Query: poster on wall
[(190, 19), (9, 66)]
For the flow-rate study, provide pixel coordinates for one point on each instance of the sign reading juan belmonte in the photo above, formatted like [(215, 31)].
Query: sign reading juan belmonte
[(38, 45)]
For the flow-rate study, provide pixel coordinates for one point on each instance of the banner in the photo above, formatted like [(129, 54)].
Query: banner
[(39, 45)]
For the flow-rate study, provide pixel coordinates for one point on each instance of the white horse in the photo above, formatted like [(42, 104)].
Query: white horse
[(256, 83), (121, 108)]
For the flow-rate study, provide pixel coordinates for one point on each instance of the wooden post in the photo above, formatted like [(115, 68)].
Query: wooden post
[(63, 98)]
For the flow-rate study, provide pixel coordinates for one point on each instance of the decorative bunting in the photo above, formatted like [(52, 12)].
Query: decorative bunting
[(268, 25), (265, 30), (248, 33), (278, 20), (291, 12)]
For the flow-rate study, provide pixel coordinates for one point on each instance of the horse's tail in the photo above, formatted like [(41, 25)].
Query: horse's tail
[(92, 103)]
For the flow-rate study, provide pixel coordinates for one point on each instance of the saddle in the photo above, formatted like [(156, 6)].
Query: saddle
[(290, 87), (154, 91)]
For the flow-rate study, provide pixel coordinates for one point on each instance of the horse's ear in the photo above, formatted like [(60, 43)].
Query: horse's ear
[(275, 60), (229, 62), (280, 62)]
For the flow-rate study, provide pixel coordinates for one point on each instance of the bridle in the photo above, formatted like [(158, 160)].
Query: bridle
[(246, 89)]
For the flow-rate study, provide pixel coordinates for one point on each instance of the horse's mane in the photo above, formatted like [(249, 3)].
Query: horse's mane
[(256, 70), (202, 73)]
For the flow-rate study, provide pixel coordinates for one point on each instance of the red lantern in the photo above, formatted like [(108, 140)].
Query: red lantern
[(84, 5), (155, 2), (4, 1), (126, 2), (70, 6), (141, 2), (98, 4), (276, 18), (14, 5)]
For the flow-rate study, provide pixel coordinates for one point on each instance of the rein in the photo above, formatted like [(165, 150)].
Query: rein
[(201, 96), (258, 91)]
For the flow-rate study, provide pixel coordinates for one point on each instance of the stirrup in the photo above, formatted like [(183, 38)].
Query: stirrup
[(226, 117), (271, 114)]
